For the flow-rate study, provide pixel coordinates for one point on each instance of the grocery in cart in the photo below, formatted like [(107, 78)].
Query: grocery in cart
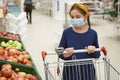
[(80, 69)]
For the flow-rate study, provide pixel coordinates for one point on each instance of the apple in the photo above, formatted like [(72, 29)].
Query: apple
[(19, 45), (19, 53), (14, 77), (10, 60), (6, 57), (17, 69), (28, 75), (2, 50), (4, 33), (22, 74), (10, 42), (12, 51), (24, 52), (7, 66), (17, 37), (6, 72), (3, 78), (32, 77), (20, 58), (26, 56), (27, 62), (21, 78), (3, 44), (2, 58), (7, 48), (14, 60)]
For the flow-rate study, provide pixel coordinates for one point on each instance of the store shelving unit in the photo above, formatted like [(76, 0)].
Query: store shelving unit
[(93, 5), (14, 6), (46, 7)]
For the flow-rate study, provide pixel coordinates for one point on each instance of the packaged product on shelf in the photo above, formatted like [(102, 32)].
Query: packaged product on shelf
[(12, 28), (22, 16), (11, 18)]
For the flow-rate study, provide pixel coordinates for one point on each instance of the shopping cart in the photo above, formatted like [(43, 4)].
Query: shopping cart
[(83, 69)]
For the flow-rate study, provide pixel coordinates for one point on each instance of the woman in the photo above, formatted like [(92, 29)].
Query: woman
[(79, 36), (28, 7)]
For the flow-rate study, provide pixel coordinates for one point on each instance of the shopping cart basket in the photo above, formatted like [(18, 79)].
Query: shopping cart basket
[(83, 69)]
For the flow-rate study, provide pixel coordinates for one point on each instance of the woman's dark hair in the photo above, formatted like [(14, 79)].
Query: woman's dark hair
[(81, 11)]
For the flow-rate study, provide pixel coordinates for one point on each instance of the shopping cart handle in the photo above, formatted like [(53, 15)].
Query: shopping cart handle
[(103, 49), (62, 51)]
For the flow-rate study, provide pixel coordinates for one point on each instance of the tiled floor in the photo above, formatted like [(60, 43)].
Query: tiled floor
[(42, 35)]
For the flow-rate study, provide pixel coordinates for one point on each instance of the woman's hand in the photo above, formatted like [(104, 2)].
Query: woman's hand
[(90, 49), (69, 52)]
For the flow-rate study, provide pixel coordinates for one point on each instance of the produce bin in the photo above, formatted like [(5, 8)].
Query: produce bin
[(10, 35), (6, 40), (23, 68)]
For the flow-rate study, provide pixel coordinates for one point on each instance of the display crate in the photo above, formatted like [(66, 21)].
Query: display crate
[(23, 68), (6, 40), (9, 35)]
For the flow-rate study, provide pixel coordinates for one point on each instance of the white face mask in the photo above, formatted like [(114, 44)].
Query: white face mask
[(77, 22)]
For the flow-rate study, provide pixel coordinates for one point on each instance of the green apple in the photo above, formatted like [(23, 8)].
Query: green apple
[(3, 44), (7, 44), (10, 42)]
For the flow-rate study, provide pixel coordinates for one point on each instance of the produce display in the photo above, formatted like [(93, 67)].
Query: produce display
[(11, 44), (9, 35), (14, 55), (7, 72), (15, 61)]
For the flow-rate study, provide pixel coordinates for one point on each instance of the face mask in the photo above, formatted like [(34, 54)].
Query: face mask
[(77, 22)]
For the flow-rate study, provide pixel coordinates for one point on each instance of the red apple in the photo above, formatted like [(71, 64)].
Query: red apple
[(4, 33), (21, 78), (2, 50), (32, 77), (17, 37), (6, 57), (6, 72), (24, 52), (28, 75), (12, 51), (7, 66), (2, 58), (10, 60), (3, 78), (14, 60), (27, 62), (14, 76), (8, 48), (26, 56), (20, 58)]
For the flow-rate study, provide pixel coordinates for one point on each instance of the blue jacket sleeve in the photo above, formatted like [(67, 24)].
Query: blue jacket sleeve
[(96, 44), (63, 44)]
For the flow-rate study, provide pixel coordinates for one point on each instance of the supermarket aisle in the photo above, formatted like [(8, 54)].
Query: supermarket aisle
[(42, 36)]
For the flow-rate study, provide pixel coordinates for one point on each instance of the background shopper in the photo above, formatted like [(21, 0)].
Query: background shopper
[(28, 9), (79, 36)]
